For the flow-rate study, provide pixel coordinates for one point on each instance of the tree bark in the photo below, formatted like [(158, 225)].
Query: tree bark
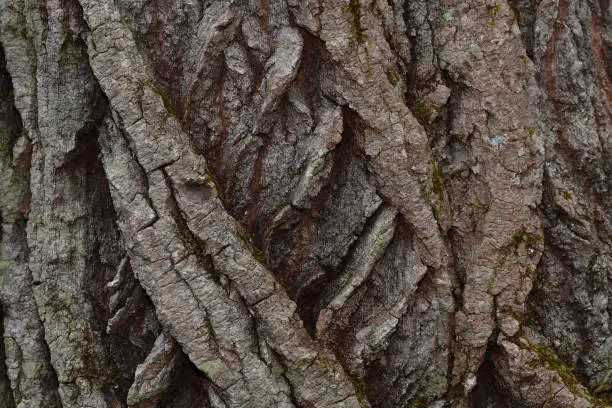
[(317, 203)]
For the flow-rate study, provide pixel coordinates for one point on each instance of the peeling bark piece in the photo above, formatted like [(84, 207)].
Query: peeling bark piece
[(155, 374), (281, 68)]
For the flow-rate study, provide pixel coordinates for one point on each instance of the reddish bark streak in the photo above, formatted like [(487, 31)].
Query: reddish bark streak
[(254, 191), (265, 18), (549, 63), (302, 74), (218, 150), (305, 235), (257, 79), (222, 117), (159, 31), (600, 59)]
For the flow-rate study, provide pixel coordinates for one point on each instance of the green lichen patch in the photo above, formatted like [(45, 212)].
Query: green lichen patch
[(248, 239), (5, 150), (605, 383), (566, 194), (493, 10), (422, 112), (360, 390), (211, 180), (530, 240), (358, 32), (394, 77), (484, 207), (531, 273), (448, 15), (549, 359), (585, 215), (420, 401), (434, 190), (168, 104), (437, 181), (213, 368), (329, 367)]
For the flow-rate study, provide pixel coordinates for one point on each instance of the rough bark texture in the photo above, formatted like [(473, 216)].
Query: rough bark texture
[(305, 203)]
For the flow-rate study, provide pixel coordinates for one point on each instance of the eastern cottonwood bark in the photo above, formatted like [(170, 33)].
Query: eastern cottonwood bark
[(305, 203)]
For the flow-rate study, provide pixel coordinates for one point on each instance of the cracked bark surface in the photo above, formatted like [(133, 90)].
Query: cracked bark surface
[(319, 203)]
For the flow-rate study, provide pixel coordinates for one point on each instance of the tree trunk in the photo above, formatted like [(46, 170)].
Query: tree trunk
[(315, 203)]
